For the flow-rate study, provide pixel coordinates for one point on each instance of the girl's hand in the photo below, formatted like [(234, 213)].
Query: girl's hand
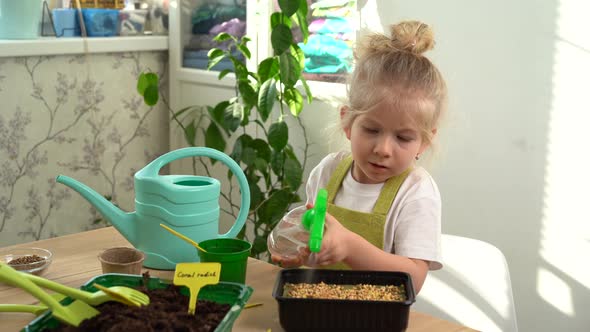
[(335, 246)]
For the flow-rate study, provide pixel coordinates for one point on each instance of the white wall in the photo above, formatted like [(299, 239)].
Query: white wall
[(518, 72)]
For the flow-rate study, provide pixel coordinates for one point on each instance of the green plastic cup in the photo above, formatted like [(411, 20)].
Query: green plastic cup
[(231, 253)]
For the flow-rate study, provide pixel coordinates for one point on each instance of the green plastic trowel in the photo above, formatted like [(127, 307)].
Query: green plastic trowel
[(313, 220)]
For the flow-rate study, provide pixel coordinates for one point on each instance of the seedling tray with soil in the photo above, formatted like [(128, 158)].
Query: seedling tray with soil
[(218, 307), (327, 301)]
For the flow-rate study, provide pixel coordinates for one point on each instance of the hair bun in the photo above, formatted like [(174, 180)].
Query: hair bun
[(412, 36)]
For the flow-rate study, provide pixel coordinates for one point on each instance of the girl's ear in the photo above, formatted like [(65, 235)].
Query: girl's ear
[(425, 146), (345, 124)]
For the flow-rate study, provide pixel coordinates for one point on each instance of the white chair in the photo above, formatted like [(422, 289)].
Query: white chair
[(473, 288)]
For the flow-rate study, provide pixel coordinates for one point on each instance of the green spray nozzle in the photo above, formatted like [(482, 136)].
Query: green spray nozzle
[(313, 220)]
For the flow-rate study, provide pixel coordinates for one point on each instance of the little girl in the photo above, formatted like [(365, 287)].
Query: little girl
[(384, 212)]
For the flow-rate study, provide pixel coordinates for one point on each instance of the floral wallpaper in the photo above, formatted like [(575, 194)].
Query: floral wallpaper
[(77, 115)]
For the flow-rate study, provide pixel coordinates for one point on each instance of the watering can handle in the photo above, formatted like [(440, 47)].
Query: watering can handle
[(153, 168)]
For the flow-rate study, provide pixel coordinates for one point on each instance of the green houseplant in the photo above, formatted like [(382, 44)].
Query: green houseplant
[(263, 100)]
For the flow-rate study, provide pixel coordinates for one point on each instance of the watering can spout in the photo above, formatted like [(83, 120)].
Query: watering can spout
[(123, 221)]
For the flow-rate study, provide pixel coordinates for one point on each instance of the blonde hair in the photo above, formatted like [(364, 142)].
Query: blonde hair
[(393, 70)]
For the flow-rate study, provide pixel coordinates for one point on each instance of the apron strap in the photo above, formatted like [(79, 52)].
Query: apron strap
[(337, 177), (388, 192)]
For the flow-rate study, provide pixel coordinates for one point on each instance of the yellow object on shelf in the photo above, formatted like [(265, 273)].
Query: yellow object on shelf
[(102, 4)]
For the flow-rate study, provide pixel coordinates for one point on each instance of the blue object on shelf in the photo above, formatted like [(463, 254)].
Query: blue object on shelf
[(101, 22), (66, 22), (19, 19)]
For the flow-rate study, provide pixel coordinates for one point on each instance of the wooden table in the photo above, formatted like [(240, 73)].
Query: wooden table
[(75, 262)]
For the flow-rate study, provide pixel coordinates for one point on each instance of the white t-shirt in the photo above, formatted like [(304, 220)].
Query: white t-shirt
[(414, 219)]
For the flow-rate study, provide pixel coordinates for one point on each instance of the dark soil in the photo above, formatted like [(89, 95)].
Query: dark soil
[(167, 311)]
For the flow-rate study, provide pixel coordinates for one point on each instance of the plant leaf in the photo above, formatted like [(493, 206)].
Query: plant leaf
[(145, 80), (259, 245), (182, 111), (288, 7), (223, 36), (151, 95), (278, 135), (302, 8), (217, 113), (298, 54), (261, 165), (241, 143), (276, 162), (246, 117), (214, 53), (307, 89), (266, 98), (249, 156), (301, 19), (256, 195), (294, 100), (289, 152), (277, 18), (262, 149), (245, 50), (223, 73), (248, 94), (268, 68), (274, 207), (290, 70), (213, 138), (281, 38), (293, 173), (214, 61), (230, 118), (190, 132), (239, 69)]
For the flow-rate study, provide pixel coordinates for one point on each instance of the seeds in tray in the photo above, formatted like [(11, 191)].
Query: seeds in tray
[(345, 292)]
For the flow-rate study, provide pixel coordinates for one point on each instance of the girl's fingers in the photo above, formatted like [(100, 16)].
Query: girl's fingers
[(330, 219), (323, 259)]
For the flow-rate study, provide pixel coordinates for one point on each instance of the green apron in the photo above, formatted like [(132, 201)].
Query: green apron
[(370, 226)]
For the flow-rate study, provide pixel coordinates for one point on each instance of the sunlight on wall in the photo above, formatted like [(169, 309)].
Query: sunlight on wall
[(572, 22), (473, 288), (369, 17), (464, 310), (561, 294), (566, 231)]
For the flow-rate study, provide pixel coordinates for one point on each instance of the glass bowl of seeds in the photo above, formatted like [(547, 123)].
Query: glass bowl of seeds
[(30, 260)]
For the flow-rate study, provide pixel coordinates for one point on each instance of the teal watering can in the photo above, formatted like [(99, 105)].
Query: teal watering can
[(187, 203)]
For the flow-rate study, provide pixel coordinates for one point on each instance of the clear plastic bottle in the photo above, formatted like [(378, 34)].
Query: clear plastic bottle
[(289, 238)]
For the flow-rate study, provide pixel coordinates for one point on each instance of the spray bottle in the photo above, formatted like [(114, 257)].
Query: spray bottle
[(314, 219), (300, 228)]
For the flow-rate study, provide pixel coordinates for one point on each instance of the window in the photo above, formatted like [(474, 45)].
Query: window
[(332, 32), (328, 51), (208, 18)]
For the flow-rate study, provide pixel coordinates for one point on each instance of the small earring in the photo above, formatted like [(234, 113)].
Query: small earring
[(417, 157)]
